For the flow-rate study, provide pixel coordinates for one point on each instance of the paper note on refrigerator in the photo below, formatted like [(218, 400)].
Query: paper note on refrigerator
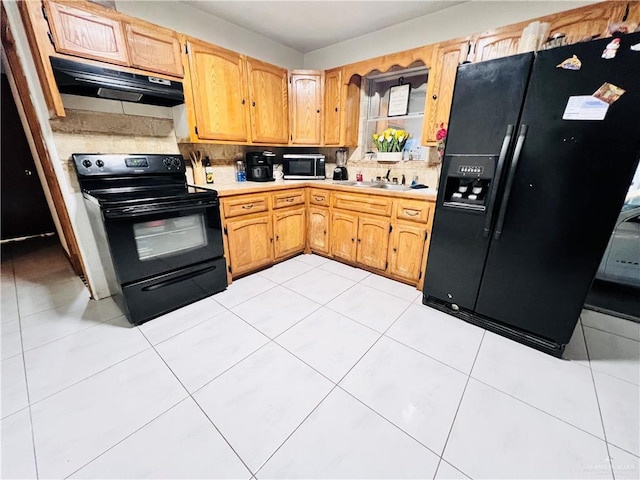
[(585, 107)]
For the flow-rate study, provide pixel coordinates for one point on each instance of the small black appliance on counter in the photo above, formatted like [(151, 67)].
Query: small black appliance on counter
[(340, 171), (260, 166)]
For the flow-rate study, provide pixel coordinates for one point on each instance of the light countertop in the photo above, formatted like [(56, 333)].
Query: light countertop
[(238, 188)]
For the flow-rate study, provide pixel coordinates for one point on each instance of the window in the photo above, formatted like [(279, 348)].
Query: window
[(377, 119)]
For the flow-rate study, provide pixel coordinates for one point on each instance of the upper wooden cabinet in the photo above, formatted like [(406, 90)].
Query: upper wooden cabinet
[(497, 43), (305, 98), (80, 32), (219, 92), (447, 57), (154, 49), (269, 103), (341, 108)]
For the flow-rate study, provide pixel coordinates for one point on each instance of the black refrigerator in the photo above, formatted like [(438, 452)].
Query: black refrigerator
[(538, 159)]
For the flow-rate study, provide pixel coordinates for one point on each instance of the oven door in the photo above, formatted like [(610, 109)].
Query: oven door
[(149, 241)]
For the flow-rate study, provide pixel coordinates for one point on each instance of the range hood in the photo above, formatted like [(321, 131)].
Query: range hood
[(91, 81)]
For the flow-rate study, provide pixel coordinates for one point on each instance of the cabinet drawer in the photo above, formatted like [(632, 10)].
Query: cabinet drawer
[(288, 198), (413, 210), (319, 197), (244, 205), (363, 203)]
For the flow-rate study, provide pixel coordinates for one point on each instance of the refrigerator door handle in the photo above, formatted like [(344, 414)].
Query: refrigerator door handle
[(512, 174), (496, 181)]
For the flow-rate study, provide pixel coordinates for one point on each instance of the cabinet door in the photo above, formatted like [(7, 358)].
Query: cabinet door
[(373, 241), (250, 244), (440, 86), (350, 120), (289, 228), (497, 44), (83, 33), (152, 49), (344, 230), (219, 91), (583, 22), (306, 108), (269, 103), (319, 229), (332, 106), (406, 247)]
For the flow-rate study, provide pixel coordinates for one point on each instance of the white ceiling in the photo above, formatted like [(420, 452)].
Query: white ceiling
[(308, 25)]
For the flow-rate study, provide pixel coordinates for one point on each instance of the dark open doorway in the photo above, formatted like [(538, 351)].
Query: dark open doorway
[(25, 211)]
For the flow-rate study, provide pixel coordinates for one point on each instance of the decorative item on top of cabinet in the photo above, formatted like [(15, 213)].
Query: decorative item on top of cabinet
[(269, 105), (305, 97), (154, 49), (82, 32), (584, 23), (341, 108), (219, 99), (446, 58)]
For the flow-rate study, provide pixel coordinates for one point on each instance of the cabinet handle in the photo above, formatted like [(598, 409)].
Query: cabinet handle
[(412, 213), (353, 240), (336, 109), (243, 101), (271, 239), (359, 240), (318, 199), (248, 206), (324, 232), (435, 97), (290, 199), (277, 237), (318, 111), (253, 104), (395, 250)]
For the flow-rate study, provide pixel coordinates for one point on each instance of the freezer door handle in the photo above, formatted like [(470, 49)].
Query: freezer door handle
[(494, 190), (512, 174)]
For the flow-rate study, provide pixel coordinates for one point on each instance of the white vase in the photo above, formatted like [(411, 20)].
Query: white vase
[(389, 156)]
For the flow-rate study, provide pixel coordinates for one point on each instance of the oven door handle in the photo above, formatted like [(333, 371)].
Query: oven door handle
[(130, 212), (181, 278)]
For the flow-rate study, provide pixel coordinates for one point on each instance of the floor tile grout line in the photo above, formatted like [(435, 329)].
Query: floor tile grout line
[(613, 333), (398, 427), (48, 342), (261, 466), (126, 437), (191, 395), (455, 416), (595, 391), (87, 378), (26, 382)]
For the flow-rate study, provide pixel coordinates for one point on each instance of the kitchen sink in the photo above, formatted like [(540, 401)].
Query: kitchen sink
[(385, 186)]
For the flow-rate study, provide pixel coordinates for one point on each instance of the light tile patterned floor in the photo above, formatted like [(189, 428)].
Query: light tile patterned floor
[(310, 369)]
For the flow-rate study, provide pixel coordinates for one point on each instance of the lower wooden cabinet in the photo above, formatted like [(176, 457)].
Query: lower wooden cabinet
[(289, 228), (344, 232), (250, 243), (406, 247), (373, 241), (318, 228)]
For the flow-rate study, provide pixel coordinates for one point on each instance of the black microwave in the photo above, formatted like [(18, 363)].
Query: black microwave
[(301, 166)]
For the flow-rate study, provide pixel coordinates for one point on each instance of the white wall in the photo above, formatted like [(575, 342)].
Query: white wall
[(196, 23), (455, 21)]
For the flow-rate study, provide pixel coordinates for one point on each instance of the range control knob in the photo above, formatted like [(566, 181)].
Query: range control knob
[(99, 163), (176, 162), (86, 163), (167, 162)]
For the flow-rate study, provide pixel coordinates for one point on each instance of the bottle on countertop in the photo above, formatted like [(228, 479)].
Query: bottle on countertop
[(241, 173), (359, 176), (208, 170)]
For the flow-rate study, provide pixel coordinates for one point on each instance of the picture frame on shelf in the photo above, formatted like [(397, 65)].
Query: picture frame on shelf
[(399, 100)]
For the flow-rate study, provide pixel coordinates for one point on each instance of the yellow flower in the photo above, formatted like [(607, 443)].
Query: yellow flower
[(375, 136)]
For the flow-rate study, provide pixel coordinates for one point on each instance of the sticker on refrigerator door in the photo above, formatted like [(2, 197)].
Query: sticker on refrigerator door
[(572, 63), (611, 49), (609, 93), (635, 48), (585, 107)]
